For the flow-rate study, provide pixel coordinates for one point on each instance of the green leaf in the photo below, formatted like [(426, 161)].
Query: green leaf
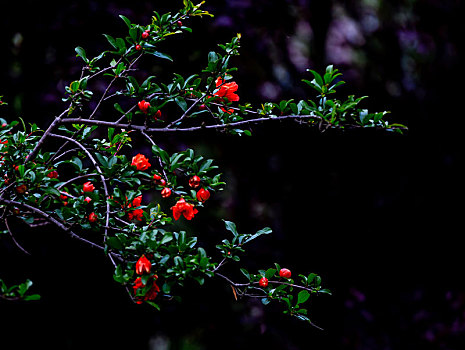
[(245, 273), (111, 40), (81, 53), (270, 273), (161, 55), (231, 226), (303, 296), (32, 297), (263, 231), (126, 20), (181, 102)]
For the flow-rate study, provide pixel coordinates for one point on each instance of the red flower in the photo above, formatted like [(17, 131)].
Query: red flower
[(263, 282), (166, 192), (203, 194), (3, 142), (143, 265), (194, 181), (156, 177), (229, 111), (183, 208), (88, 187), (140, 162), (157, 115), (53, 174), (227, 90), (136, 202), (151, 294), (286, 273), (136, 214), (21, 189), (93, 217), (87, 199), (144, 106)]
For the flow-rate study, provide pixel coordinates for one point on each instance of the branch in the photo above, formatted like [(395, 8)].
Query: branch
[(102, 179), (195, 128)]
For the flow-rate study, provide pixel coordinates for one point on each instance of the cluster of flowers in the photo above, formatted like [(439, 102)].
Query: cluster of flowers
[(284, 273), (181, 208), (144, 266)]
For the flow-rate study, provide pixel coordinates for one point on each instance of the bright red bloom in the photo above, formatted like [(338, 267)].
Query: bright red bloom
[(263, 282), (3, 142), (136, 202), (229, 111), (203, 194), (144, 106), (140, 162), (136, 214), (156, 177), (227, 90), (183, 208), (88, 187), (93, 217), (53, 174), (63, 196), (166, 192), (194, 181), (157, 115), (286, 273), (143, 265), (151, 294), (87, 199)]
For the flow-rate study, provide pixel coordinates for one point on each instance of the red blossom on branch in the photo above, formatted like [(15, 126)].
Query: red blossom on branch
[(183, 208), (140, 162), (203, 194), (151, 294), (143, 265), (88, 187), (227, 90), (144, 106)]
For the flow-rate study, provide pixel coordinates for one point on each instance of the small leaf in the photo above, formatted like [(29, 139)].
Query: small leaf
[(161, 55), (231, 226), (302, 297)]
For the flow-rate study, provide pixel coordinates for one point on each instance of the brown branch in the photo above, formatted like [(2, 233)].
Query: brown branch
[(102, 179)]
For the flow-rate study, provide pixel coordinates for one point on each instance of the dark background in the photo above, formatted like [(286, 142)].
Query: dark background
[(377, 215)]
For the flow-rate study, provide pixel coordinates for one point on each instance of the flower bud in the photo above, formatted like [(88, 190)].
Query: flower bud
[(263, 282), (194, 181), (88, 187), (166, 192), (286, 273), (143, 265), (203, 194), (93, 217)]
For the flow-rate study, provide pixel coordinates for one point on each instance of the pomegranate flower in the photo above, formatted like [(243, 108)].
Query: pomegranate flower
[(203, 194), (136, 214), (140, 162), (143, 265), (88, 187), (143, 105), (183, 208), (93, 217), (194, 181), (151, 294), (227, 90)]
